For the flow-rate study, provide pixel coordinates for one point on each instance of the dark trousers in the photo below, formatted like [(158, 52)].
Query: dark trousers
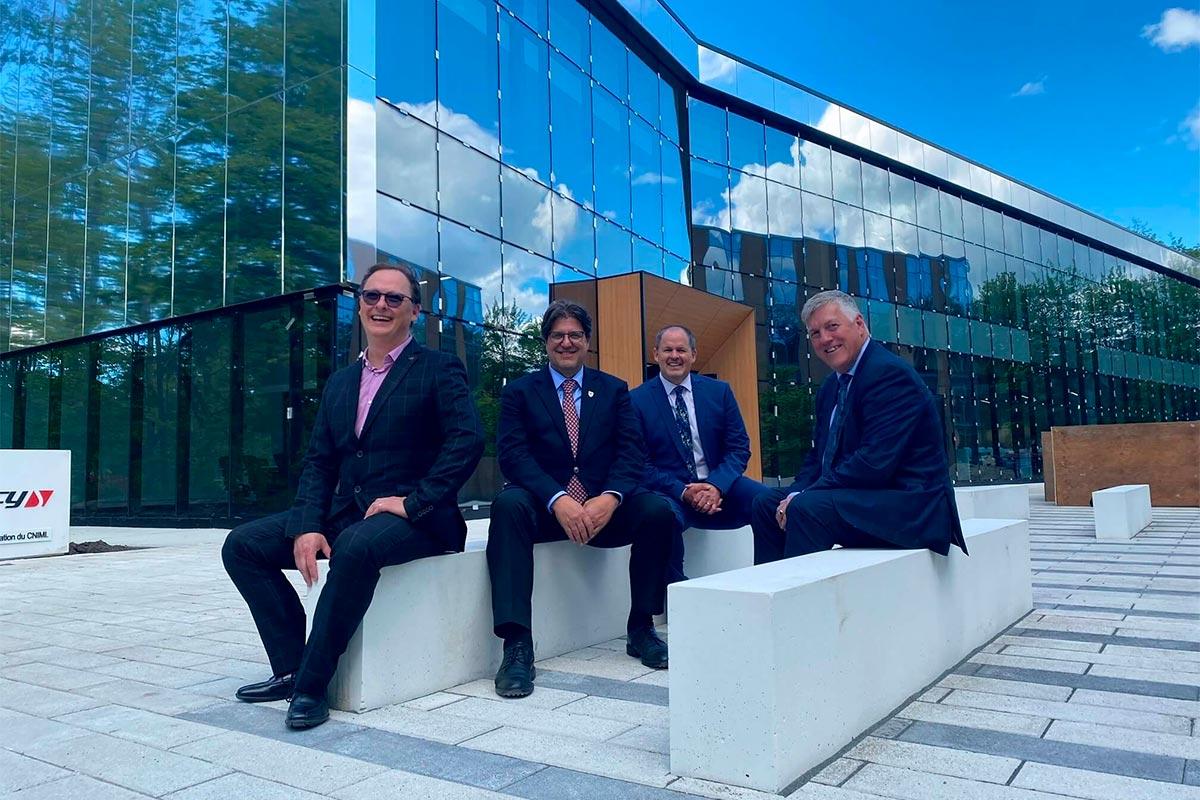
[(736, 507), (256, 552), (813, 524), (519, 522)]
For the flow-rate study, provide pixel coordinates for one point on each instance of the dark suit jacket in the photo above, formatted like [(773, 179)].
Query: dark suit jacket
[(535, 452), (890, 467), (722, 435), (421, 439)]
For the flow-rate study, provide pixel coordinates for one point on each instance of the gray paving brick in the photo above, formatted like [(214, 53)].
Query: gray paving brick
[(1098, 785), (1117, 717), (620, 710), (395, 785), (129, 764), (1039, 691), (242, 787), (603, 687), (261, 720), (890, 729), (1119, 589), (138, 725), (1137, 702), (513, 713), (554, 783), (144, 695), (436, 760), (938, 760), (448, 724), (1032, 748), (22, 731), (597, 758), (912, 785), (27, 698), (1191, 773), (646, 737), (76, 787), (1125, 685), (1132, 612), (1168, 744), (1131, 641), (546, 696), (20, 772)]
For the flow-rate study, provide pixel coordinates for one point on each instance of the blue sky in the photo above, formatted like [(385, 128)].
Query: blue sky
[(1076, 98)]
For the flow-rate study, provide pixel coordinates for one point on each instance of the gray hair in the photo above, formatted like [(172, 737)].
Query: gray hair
[(691, 337), (822, 299)]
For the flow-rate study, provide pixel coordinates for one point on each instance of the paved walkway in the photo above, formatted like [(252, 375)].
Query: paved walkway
[(116, 673)]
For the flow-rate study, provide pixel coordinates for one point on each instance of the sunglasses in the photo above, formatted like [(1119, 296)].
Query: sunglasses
[(394, 299)]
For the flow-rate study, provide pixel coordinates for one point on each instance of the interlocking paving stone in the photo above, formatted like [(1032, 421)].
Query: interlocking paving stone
[(436, 700), (939, 760), (1039, 691), (137, 725), (67, 657), (646, 737), (1120, 717), (975, 718), (544, 696), (20, 772), (260, 719), (1101, 589), (1098, 785), (1167, 744), (1100, 638), (554, 783), (78, 787), (144, 695), (512, 712), (135, 766), (890, 729), (434, 759), (23, 731), (444, 726), (1191, 773), (1124, 685), (1162, 705), (242, 787), (30, 699), (603, 687), (620, 710), (1133, 612), (598, 758), (1032, 748), (1146, 660), (306, 768), (396, 785), (913, 785)]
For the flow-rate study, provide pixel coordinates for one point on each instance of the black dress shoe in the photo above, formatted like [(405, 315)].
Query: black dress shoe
[(277, 687), (306, 711), (516, 673), (644, 643)]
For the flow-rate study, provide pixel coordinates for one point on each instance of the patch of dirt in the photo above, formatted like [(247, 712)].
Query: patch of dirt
[(98, 546)]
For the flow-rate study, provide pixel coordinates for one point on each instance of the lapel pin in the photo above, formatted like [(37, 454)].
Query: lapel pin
[(591, 393)]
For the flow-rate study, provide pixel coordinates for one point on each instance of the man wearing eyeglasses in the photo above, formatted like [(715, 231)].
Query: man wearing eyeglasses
[(571, 450), (395, 437)]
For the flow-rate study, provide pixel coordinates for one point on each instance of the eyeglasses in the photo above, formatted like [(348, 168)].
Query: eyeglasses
[(394, 299), (574, 336)]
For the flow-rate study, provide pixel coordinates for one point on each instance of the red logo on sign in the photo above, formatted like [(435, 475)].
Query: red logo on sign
[(25, 498)]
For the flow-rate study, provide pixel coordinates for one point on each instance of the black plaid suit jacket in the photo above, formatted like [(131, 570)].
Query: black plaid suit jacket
[(421, 439)]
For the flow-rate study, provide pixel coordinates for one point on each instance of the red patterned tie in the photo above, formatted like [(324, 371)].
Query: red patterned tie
[(574, 488)]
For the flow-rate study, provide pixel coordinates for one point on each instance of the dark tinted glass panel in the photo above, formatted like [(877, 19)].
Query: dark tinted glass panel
[(262, 480), (467, 72), (160, 417), (210, 349), (254, 201), (571, 139), (405, 65), (525, 107), (74, 418), (611, 132), (113, 384), (39, 369)]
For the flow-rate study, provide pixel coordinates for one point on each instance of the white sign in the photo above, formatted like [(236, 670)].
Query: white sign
[(35, 502)]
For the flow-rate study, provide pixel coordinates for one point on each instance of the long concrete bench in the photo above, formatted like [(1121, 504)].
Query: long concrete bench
[(429, 626), (1004, 501), (1121, 511), (775, 668)]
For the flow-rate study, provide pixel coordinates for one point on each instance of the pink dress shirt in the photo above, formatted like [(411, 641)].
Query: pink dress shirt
[(371, 380)]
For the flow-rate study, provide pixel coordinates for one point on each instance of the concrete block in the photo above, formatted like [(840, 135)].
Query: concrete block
[(1121, 511), (709, 552), (777, 667), (429, 626), (1008, 501)]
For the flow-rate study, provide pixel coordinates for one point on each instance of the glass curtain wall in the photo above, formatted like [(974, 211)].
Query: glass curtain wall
[(165, 157), (1015, 327)]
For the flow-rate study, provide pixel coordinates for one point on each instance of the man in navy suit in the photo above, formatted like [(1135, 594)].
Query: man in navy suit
[(696, 444), (396, 436), (878, 475), (571, 451)]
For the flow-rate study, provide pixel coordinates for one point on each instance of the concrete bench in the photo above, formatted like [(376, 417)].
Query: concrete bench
[(429, 626), (775, 668), (1121, 511), (1006, 501)]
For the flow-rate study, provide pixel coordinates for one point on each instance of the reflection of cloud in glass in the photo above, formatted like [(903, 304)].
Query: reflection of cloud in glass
[(652, 179), (716, 68), (360, 170)]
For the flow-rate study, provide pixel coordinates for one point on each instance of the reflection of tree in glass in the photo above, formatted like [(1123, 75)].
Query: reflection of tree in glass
[(512, 346), (785, 423)]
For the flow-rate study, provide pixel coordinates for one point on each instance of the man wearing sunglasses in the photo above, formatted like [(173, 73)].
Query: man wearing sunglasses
[(395, 437), (571, 450)]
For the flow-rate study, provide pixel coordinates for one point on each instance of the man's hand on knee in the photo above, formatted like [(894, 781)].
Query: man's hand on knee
[(305, 550), (781, 512), (389, 505)]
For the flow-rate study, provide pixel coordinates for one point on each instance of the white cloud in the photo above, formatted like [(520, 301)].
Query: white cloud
[(1178, 29), (716, 68), (1032, 88), (1190, 128)]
